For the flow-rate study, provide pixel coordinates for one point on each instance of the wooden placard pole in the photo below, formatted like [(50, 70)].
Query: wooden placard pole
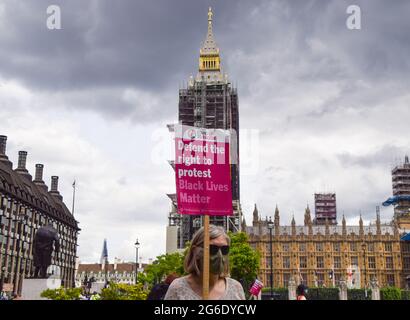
[(205, 274)]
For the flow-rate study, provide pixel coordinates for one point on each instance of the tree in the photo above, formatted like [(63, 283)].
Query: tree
[(122, 291), (162, 266), (244, 261), (62, 294)]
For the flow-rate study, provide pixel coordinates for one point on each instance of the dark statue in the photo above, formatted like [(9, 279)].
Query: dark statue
[(44, 239)]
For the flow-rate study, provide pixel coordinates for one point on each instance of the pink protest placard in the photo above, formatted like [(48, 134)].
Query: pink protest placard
[(256, 288), (202, 172)]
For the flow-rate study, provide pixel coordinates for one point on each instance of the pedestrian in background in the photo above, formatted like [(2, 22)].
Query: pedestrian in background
[(301, 292), (159, 291)]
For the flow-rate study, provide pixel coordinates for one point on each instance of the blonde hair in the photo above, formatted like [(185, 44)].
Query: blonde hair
[(193, 259)]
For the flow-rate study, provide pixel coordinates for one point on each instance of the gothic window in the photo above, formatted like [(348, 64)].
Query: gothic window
[(286, 262), (268, 265), (406, 263), (302, 247), (370, 247), (338, 277), (303, 262), (286, 277), (320, 278), (319, 247), (353, 246), (354, 261), (336, 246), (285, 247), (389, 262), (337, 263), (390, 280), (388, 247), (320, 262), (304, 279), (372, 262)]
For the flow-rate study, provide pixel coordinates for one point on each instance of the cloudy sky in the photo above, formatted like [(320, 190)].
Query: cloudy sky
[(322, 107)]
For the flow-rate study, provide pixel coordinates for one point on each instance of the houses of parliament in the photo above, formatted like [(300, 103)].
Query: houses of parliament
[(322, 254)]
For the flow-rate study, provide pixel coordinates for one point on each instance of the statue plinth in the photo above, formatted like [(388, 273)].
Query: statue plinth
[(32, 288)]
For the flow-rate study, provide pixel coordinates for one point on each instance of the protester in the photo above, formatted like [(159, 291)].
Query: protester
[(221, 286), (301, 292), (159, 290)]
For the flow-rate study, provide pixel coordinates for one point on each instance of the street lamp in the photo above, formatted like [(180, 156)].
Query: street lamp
[(3, 274), (20, 220), (270, 227), (364, 268), (137, 245)]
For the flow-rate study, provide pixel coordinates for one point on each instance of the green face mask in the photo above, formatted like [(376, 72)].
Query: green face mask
[(217, 263)]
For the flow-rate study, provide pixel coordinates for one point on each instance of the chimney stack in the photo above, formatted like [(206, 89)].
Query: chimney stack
[(39, 172), (22, 160), (3, 144), (39, 177), (3, 157), (21, 166), (54, 188), (54, 184)]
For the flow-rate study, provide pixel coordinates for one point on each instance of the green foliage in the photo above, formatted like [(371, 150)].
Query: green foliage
[(244, 261), (161, 267), (62, 294), (322, 294), (358, 294), (390, 293), (122, 291), (278, 294), (405, 294)]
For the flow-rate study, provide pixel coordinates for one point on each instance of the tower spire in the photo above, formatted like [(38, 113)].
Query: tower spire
[(344, 230), (255, 214), (209, 45), (210, 14), (361, 228), (104, 254), (209, 60)]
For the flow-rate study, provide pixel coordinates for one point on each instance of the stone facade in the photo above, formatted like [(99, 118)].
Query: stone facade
[(322, 255), (119, 272)]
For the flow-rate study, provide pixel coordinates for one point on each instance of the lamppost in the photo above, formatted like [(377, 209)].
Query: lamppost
[(364, 268), (270, 227), (21, 218), (3, 274), (137, 245)]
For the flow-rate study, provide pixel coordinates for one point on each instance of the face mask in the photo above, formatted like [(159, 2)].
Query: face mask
[(217, 263)]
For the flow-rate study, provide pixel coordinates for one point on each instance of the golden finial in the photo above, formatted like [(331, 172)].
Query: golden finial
[(210, 14)]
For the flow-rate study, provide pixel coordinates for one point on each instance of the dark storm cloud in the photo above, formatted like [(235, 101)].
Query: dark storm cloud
[(104, 48), (152, 46), (148, 44)]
